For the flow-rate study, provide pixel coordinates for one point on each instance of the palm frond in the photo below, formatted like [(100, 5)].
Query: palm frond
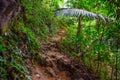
[(72, 12)]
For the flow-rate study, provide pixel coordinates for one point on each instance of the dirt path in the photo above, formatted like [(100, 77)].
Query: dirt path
[(58, 66)]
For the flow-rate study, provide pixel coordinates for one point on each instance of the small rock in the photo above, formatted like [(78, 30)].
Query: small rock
[(81, 79), (38, 75)]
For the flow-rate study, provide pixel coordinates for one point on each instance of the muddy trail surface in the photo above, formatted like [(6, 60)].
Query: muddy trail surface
[(57, 65)]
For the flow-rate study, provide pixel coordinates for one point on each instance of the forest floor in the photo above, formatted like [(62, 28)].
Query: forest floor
[(59, 66)]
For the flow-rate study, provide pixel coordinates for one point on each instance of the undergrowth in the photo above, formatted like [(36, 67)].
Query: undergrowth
[(23, 40), (93, 48)]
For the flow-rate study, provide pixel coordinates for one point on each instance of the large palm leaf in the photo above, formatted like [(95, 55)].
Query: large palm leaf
[(79, 12)]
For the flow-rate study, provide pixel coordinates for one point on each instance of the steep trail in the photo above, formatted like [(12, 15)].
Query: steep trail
[(58, 66)]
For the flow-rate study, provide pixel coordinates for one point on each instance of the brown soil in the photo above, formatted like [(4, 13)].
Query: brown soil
[(57, 66)]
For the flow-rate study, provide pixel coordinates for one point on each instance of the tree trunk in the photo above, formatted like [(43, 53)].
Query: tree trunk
[(78, 34), (79, 29)]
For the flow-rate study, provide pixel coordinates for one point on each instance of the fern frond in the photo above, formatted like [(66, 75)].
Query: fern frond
[(72, 12)]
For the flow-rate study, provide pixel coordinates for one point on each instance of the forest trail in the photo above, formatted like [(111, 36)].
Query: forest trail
[(58, 66)]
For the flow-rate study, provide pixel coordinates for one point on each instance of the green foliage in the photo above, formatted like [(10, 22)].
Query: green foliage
[(98, 42), (74, 12), (11, 60), (22, 41)]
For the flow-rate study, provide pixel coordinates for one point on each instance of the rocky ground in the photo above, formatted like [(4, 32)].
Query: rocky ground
[(58, 66)]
